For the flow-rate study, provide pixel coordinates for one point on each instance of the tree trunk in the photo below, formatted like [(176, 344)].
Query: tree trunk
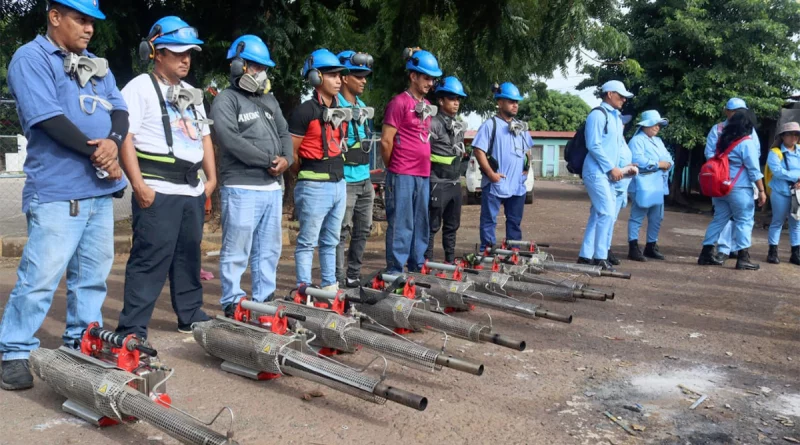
[(676, 197)]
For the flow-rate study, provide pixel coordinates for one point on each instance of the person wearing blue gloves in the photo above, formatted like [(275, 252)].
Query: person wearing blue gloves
[(255, 148), (502, 149), (357, 222), (75, 120), (169, 142), (784, 162), (745, 172), (605, 143), (724, 243), (649, 187), (447, 150)]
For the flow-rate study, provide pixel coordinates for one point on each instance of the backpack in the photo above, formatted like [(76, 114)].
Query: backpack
[(575, 152), (768, 171), (715, 176)]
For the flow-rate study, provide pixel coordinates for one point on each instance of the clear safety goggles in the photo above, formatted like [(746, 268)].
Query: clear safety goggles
[(185, 33)]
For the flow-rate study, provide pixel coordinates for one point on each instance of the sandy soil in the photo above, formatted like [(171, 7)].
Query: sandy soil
[(730, 335)]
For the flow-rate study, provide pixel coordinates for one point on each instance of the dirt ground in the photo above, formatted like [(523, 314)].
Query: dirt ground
[(730, 335)]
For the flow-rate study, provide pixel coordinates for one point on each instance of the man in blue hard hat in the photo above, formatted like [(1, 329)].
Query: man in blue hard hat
[(725, 238), (255, 148), (502, 149), (169, 142), (602, 170), (75, 120), (319, 134), (447, 151), (357, 222), (406, 153)]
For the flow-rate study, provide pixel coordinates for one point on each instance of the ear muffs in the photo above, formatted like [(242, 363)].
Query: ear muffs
[(408, 54), (238, 64), (313, 75), (147, 51), (495, 88)]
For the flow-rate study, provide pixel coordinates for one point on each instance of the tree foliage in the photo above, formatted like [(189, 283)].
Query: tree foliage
[(552, 110), (686, 58), (481, 42)]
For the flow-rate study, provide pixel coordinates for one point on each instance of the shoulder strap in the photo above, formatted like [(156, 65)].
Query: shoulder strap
[(605, 113), (491, 140), (164, 112)]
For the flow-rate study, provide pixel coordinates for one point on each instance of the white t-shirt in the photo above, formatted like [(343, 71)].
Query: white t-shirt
[(148, 130), (274, 186)]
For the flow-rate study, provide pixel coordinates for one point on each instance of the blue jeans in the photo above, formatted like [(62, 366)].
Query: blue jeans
[(739, 206), (81, 245), (597, 237), (781, 206), (513, 206), (320, 209), (251, 229), (408, 225), (654, 214)]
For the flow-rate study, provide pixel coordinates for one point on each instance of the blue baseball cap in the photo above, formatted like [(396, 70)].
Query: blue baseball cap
[(617, 87), (735, 104)]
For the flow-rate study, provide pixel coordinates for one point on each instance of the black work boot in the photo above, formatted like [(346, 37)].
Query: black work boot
[(795, 259), (733, 255), (651, 251), (772, 256), (582, 260), (16, 375), (613, 258), (634, 253), (707, 257), (743, 261)]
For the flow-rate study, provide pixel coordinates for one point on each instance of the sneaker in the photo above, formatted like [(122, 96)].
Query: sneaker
[(229, 309), (582, 260), (331, 287), (187, 328), (16, 375), (351, 283)]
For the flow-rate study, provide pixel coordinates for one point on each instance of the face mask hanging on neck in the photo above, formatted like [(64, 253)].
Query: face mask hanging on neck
[(84, 68), (181, 98), (254, 83), (518, 127), (94, 100), (425, 111), (362, 114), (335, 116)]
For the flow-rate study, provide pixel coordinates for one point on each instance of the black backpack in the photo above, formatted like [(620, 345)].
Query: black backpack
[(575, 152)]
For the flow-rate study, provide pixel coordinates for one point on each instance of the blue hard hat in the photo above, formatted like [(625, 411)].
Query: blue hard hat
[(172, 30), (87, 7), (357, 63), (508, 91), (252, 48), (325, 61), (423, 62), (735, 104), (449, 86), (650, 118)]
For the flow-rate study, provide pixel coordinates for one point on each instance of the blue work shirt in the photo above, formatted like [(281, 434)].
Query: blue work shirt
[(43, 90), (647, 153), (625, 159), (745, 155), (354, 173), (604, 147), (783, 179), (713, 137), (509, 151)]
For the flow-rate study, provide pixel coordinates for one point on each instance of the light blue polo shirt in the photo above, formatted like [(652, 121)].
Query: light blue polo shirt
[(509, 151), (354, 173), (43, 90)]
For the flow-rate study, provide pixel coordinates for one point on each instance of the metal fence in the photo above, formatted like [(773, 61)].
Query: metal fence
[(12, 179)]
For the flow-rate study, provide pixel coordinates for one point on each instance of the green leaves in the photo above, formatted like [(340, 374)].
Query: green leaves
[(552, 110)]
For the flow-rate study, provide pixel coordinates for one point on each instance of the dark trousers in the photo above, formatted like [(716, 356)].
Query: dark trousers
[(445, 213), (357, 224), (166, 243)]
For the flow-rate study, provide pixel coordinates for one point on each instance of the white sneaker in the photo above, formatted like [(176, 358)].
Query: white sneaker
[(332, 287)]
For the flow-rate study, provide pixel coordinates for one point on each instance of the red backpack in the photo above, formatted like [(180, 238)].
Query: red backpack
[(715, 176)]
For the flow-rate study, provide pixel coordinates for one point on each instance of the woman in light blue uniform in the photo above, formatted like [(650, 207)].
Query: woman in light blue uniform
[(784, 162), (738, 204), (649, 187)]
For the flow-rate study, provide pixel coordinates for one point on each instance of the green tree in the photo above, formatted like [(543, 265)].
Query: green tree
[(685, 58), (552, 110)]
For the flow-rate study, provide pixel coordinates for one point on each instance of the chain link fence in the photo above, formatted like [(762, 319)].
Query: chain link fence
[(12, 179)]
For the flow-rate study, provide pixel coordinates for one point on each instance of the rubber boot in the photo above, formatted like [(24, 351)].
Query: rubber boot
[(772, 256), (707, 257), (651, 251), (743, 261), (795, 259), (613, 258), (634, 253)]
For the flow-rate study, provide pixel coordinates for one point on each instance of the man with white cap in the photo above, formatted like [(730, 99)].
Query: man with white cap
[(169, 141), (724, 243), (604, 142)]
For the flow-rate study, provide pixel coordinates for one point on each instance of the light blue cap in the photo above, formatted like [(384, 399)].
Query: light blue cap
[(735, 104), (617, 87)]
